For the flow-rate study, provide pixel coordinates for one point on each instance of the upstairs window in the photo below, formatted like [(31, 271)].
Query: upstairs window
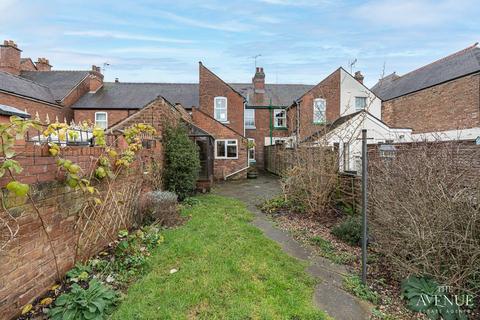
[(360, 103), (249, 118), (101, 120), (226, 149), (319, 108), (279, 118), (220, 109)]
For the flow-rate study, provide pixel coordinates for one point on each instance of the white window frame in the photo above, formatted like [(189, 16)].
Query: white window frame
[(106, 119), (275, 118), (364, 99), (215, 108), (250, 149), (226, 157), (245, 119), (316, 114)]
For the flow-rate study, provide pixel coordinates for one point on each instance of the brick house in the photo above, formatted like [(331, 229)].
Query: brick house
[(35, 88), (438, 101), (338, 95)]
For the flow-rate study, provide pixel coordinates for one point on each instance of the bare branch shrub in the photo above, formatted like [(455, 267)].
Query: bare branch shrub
[(161, 207), (311, 178), (425, 211)]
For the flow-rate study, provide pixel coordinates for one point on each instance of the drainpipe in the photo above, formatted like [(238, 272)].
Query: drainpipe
[(270, 108)]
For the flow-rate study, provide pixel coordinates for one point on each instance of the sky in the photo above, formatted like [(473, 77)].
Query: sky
[(299, 41)]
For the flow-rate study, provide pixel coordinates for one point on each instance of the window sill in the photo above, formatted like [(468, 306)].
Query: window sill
[(280, 128), (250, 128), (224, 122), (319, 123), (226, 158)]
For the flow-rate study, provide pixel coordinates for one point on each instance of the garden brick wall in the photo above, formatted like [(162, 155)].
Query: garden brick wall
[(26, 264), (448, 106)]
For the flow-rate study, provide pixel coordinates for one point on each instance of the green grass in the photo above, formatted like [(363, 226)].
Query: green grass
[(327, 250), (354, 285), (227, 269)]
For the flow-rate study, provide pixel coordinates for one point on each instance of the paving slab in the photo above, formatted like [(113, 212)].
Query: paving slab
[(329, 295)]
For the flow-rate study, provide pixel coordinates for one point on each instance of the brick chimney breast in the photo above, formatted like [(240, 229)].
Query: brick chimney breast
[(10, 57), (43, 64), (359, 76)]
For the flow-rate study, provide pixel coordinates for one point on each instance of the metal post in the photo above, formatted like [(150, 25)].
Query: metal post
[(364, 206)]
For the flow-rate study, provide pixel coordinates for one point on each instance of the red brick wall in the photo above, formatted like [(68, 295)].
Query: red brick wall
[(27, 65), (328, 89), (223, 167), (27, 266), (114, 116), (32, 107), (212, 86), (448, 106), (262, 125)]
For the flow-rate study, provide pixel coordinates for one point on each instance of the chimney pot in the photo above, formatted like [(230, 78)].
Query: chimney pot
[(359, 76), (116, 80)]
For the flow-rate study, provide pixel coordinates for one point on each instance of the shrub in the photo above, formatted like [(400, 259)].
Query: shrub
[(424, 296), (161, 207), (327, 250), (350, 230), (311, 180), (425, 212), (182, 161), (92, 303)]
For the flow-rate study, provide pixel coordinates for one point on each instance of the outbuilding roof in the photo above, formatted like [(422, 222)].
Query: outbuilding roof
[(11, 111), (459, 64)]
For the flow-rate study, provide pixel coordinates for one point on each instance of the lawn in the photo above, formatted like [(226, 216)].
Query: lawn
[(227, 269)]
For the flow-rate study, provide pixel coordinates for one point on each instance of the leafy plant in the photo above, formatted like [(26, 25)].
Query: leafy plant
[(354, 285), (350, 230), (182, 161), (423, 295), (92, 303), (79, 273)]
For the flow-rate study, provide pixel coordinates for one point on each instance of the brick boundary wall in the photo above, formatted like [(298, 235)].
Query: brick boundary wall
[(27, 266)]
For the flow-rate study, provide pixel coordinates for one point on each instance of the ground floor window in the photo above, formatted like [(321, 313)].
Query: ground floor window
[(226, 149), (251, 149), (101, 120)]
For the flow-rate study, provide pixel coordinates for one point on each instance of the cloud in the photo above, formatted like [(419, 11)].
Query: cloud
[(230, 26), (412, 13), (297, 3), (124, 36)]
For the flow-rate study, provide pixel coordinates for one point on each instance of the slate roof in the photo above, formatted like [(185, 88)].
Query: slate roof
[(123, 95), (11, 111), (281, 94), (335, 124), (459, 64), (21, 86), (59, 82)]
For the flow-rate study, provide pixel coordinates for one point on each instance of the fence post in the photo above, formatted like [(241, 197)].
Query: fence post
[(364, 206)]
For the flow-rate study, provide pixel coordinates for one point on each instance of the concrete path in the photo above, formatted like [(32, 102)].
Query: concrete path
[(329, 295)]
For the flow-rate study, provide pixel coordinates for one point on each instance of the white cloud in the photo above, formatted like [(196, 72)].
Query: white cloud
[(125, 36), (231, 26)]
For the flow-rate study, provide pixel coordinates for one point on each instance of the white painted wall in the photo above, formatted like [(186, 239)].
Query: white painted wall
[(351, 88), (350, 133)]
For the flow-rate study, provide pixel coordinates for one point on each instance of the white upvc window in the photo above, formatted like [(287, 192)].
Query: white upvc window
[(319, 109), (101, 120), (220, 109), (360, 103), (251, 149), (226, 149), (279, 118), (249, 118)]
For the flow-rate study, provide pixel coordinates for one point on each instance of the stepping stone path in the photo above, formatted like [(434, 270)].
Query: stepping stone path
[(329, 295)]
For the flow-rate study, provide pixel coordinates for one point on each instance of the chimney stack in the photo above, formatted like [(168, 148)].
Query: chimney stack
[(10, 57), (359, 76), (116, 80), (43, 64), (258, 81), (96, 69)]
